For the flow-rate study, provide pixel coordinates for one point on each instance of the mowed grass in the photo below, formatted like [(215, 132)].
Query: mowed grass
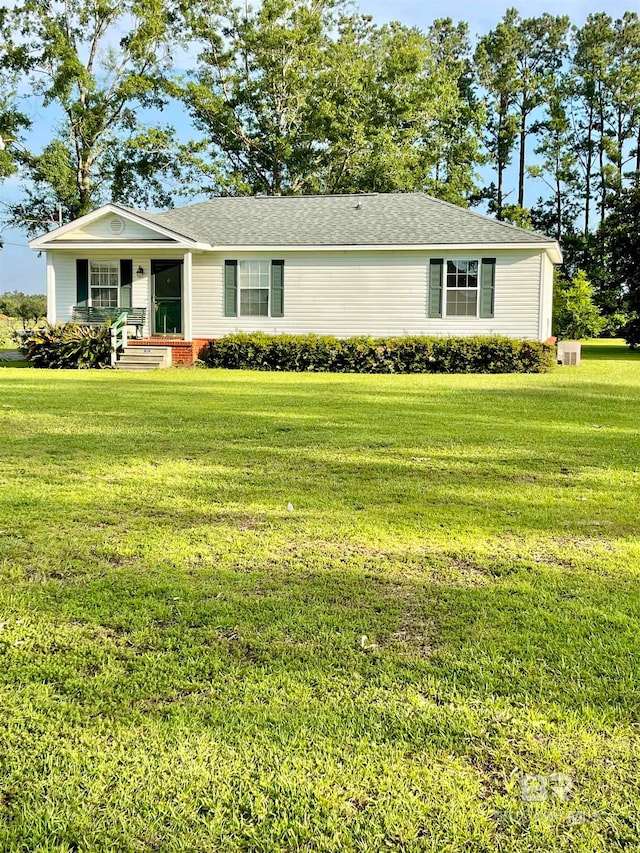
[(8, 343), (182, 662)]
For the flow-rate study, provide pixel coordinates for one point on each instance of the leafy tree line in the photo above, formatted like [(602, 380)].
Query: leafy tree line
[(27, 307), (310, 96)]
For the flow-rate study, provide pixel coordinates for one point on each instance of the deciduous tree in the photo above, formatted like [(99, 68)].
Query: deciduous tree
[(307, 96), (575, 315), (28, 308), (98, 63)]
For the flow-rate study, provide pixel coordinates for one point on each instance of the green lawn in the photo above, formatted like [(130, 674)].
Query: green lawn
[(181, 657), (7, 342)]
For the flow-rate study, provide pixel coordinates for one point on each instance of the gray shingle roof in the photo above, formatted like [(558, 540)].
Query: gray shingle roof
[(338, 220)]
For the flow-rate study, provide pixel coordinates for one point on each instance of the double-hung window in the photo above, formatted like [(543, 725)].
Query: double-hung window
[(462, 288), (254, 287), (104, 278), (254, 279)]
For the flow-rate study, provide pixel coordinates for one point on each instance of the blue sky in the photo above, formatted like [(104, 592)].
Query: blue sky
[(20, 269)]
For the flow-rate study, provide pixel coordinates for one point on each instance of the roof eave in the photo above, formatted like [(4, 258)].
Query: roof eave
[(551, 247), (86, 245)]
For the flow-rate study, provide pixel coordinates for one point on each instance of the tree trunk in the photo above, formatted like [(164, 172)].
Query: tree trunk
[(588, 168), (620, 143), (558, 204), (499, 164), (603, 189), (521, 171), (84, 185)]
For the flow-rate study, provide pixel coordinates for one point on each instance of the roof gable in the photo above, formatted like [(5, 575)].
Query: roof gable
[(110, 224)]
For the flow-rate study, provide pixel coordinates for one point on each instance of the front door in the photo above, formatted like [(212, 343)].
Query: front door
[(166, 279)]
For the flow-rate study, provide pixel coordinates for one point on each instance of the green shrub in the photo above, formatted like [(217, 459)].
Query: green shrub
[(68, 346), (632, 333), (411, 354), (575, 314), (615, 324)]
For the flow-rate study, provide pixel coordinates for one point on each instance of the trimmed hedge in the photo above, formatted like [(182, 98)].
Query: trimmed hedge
[(412, 354), (67, 347)]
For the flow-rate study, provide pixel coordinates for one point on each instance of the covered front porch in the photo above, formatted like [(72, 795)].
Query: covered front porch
[(154, 293), (116, 261)]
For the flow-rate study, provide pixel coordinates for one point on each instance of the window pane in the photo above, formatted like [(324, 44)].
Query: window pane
[(462, 274), (104, 278), (254, 274), (254, 302), (462, 303), (104, 297)]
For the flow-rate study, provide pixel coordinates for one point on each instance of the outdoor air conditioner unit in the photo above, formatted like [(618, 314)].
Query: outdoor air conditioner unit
[(569, 353)]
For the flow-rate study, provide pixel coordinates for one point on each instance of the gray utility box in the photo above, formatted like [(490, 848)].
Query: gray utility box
[(569, 353)]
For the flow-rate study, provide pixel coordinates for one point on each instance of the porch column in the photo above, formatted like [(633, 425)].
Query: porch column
[(188, 300), (51, 289)]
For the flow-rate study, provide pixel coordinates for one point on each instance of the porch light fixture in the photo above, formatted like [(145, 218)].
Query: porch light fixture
[(140, 271)]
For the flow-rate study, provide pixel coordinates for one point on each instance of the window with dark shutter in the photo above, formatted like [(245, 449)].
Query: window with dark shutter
[(487, 286), (277, 288), (230, 288), (435, 287), (82, 282), (126, 283)]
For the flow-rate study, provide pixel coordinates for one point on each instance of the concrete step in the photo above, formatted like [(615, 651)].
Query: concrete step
[(150, 349), (144, 358), (152, 359), (137, 366)]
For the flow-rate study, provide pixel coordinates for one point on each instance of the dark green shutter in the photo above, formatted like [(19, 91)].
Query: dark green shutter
[(82, 282), (487, 286), (230, 288), (436, 266), (126, 281), (277, 288)]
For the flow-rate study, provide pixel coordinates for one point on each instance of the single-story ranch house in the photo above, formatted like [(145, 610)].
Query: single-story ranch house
[(374, 264)]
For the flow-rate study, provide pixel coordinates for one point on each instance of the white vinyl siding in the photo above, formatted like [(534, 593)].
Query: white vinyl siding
[(340, 292), (369, 293), (547, 297)]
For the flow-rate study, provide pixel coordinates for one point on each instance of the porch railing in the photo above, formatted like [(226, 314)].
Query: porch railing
[(118, 335)]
